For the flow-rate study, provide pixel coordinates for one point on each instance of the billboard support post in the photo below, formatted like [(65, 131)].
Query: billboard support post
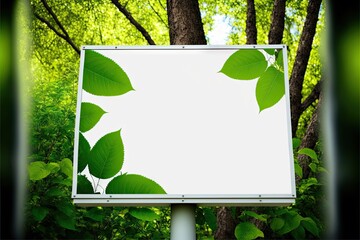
[(182, 222)]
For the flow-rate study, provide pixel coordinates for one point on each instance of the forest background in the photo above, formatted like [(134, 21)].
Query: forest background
[(40, 110)]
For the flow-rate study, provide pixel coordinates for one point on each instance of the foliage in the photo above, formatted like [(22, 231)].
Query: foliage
[(50, 213)]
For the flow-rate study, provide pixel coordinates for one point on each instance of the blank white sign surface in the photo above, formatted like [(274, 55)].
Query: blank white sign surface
[(191, 128)]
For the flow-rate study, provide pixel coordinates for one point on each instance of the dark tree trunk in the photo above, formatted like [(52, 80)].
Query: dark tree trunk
[(310, 139), (185, 23), (277, 22), (301, 61), (251, 31), (226, 224)]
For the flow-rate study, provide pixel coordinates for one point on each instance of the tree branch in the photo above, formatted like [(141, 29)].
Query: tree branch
[(53, 15), (301, 61), (315, 93), (128, 15), (64, 35), (157, 14), (49, 26), (277, 22), (251, 30)]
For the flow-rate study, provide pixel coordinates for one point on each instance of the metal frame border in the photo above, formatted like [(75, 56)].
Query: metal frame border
[(168, 199)]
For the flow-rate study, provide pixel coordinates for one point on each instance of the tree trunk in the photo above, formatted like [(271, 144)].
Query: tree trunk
[(301, 61), (185, 23), (310, 139), (226, 224), (251, 31), (277, 22)]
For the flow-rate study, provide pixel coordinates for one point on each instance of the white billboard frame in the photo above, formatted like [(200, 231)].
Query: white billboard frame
[(183, 198)]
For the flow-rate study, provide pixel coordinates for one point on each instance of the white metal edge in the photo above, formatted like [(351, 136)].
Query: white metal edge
[(182, 47), (288, 110), (182, 196), (199, 202), (77, 123)]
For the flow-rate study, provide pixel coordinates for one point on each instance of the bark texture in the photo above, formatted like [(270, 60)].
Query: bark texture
[(185, 23), (226, 224), (301, 61), (277, 22), (310, 139), (251, 30)]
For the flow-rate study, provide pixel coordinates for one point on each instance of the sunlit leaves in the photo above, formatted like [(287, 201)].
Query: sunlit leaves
[(103, 77), (89, 116), (66, 167), (39, 170), (245, 65), (133, 184), (107, 156)]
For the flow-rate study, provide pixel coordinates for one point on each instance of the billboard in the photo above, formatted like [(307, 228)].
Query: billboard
[(183, 124)]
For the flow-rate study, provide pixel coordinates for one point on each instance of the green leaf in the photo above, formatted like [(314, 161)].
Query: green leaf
[(55, 192), (103, 77), (84, 185), (133, 184), (247, 231), (296, 143), (107, 156), (245, 65), (65, 221), (66, 167), (313, 167), (67, 208), (291, 221), (310, 153), (38, 170), (39, 213), (309, 224), (276, 224), (298, 169), (255, 215), (62, 181), (53, 167), (89, 116), (280, 59), (95, 214), (210, 218), (144, 214), (298, 233), (84, 153), (270, 51), (270, 88)]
